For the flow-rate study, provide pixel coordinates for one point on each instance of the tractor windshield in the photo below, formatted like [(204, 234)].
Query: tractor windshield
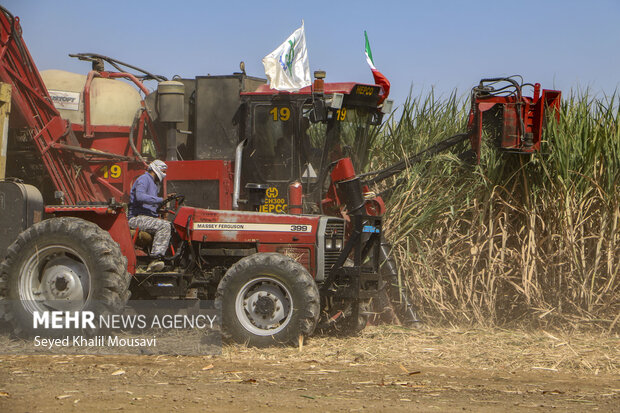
[(288, 142), (272, 149), (348, 132)]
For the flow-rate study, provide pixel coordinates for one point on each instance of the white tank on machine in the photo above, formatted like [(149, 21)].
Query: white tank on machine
[(112, 102)]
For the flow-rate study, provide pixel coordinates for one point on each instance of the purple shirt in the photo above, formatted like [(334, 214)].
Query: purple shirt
[(143, 199)]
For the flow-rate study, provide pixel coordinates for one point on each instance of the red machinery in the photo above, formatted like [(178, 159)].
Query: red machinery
[(239, 153), (264, 270), (515, 122)]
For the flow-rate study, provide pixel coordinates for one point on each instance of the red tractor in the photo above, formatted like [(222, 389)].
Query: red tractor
[(279, 229)]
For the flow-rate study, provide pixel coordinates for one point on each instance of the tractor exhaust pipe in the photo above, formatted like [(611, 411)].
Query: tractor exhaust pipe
[(237, 183)]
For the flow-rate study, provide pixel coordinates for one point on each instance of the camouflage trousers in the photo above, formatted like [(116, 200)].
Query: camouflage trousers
[(159, 228)]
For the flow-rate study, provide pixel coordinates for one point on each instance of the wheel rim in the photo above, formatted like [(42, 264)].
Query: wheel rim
[(264, 306), (54, 278)]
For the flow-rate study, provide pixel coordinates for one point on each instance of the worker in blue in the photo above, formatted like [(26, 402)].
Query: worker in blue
[(143, 204)]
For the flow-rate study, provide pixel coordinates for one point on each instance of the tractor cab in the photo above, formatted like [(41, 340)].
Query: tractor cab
[(238, 141), (296, 137)]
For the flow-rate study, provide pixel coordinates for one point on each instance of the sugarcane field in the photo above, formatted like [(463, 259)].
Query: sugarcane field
[(404, 206)]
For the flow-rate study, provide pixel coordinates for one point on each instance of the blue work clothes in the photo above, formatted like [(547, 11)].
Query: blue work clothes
[(143, 199)]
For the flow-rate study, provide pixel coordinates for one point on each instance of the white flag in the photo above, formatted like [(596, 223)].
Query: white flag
[(287, 67)]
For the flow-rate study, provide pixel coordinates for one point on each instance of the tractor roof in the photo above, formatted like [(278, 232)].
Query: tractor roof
[(346, 88)]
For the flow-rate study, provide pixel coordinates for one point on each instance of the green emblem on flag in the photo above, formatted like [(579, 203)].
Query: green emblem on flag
[(289, 57)]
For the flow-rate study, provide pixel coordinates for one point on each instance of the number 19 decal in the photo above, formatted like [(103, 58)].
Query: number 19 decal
[(341, 114), (113, 171), (282, 114)]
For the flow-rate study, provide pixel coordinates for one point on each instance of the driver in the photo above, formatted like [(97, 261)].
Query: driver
[(143, 204)]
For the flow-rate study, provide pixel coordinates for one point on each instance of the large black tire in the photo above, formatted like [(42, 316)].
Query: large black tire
[(268, 299), (66, 264)]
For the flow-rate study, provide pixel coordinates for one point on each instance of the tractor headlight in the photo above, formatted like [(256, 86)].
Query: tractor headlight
[(338, 244), (328, 243)]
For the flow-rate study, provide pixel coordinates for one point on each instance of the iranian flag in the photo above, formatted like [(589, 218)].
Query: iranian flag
[(379, 78)]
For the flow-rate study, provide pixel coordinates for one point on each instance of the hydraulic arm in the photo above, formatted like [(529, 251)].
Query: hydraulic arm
[(380, 175)]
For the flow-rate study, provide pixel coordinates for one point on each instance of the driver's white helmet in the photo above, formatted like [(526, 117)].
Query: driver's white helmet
[(159, 167)]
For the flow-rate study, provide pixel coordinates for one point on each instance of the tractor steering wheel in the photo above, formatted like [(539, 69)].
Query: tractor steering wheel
[(165, 208)]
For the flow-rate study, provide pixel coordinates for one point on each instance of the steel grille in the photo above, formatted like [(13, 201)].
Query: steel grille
[(333, 230)]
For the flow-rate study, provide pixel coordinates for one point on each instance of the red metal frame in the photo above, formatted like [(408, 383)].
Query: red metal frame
[(531, 112), (204, 170), (331, 204), (89, 129), (76, 158), (265, 241), (328, 88), (68, 170)]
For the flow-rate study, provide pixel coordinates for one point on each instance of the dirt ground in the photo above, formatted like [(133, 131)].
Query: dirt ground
[(384, 369)]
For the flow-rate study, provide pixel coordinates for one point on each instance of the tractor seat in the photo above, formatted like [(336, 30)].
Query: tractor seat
[(144, 239)]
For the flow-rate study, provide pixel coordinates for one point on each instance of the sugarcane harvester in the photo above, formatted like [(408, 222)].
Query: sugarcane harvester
[(76, 143), (279, 228)]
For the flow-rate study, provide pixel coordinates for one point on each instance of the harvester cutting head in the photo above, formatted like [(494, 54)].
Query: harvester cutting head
[(513, 121)]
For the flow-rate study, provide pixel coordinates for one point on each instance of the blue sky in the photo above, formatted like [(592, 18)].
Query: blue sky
[(445, 44)]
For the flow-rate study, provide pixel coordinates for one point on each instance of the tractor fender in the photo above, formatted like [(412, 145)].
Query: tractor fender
[(112, 220)]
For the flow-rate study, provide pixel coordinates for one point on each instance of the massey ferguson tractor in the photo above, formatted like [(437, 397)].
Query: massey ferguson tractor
[(272, 221)]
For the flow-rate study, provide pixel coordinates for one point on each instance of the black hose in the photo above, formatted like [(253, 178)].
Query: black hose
[(17, 39), (116, 62), (7, 13), (517, 87)]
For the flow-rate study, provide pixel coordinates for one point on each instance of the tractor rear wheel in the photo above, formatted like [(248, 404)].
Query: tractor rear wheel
[(62, 264), (267, 299)]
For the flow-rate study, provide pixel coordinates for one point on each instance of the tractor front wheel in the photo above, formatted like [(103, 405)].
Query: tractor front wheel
[(267, 299)]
